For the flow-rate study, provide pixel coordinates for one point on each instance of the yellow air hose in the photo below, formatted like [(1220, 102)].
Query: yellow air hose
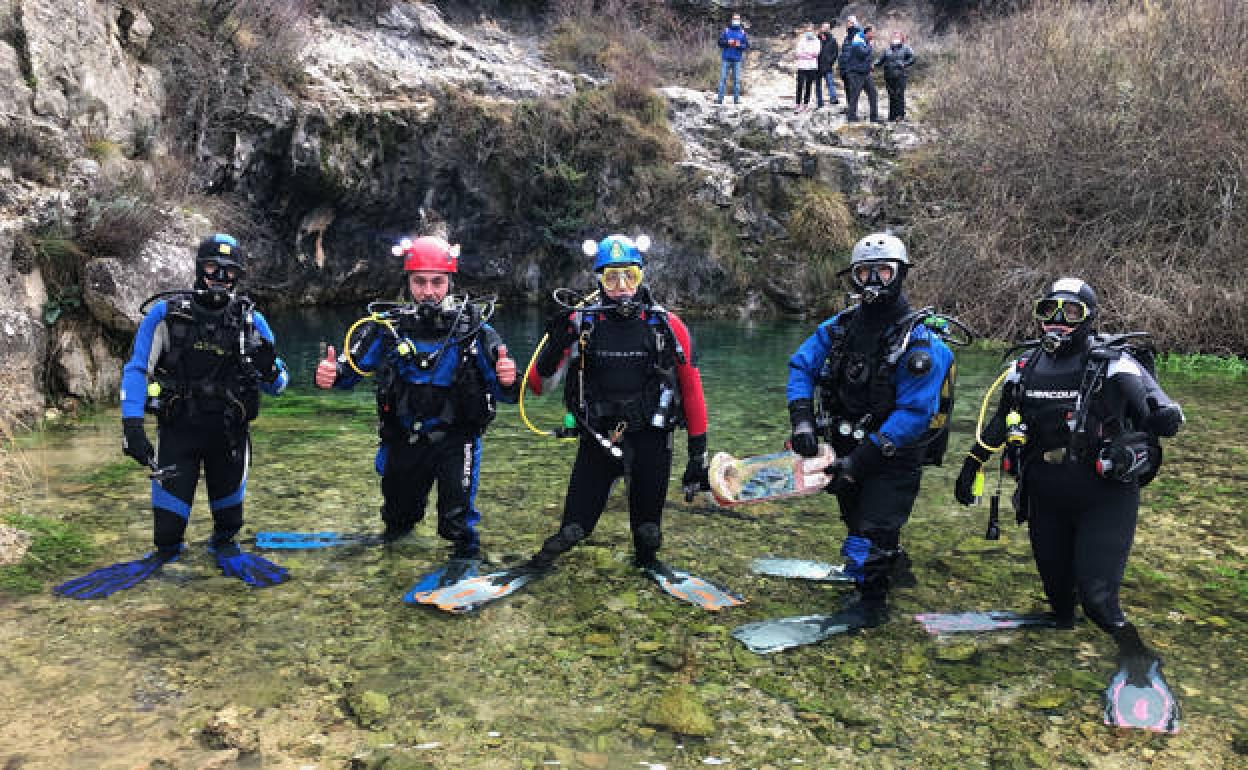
[(524, 383), (977, 488), (983, 410), (346, 341)]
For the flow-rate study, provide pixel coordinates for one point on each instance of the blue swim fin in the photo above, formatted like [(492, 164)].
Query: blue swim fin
[(1138, 697), (273, 541), (450, 573), (255, 571), (691, 588), (107, 581), (974, 622)]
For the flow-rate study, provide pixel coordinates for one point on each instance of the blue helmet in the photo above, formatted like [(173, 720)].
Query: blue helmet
[(616, 250)]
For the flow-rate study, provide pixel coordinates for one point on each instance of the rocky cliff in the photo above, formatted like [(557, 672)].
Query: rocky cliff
[(404, 120)]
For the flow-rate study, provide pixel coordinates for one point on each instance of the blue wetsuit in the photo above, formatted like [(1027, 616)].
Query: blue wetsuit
[(892, 410), (205, 362), (434, 402)]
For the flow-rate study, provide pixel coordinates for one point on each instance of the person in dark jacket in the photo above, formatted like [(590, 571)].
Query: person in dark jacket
[(859, 67), (895, 60), (733, 43), (828, 52), (851, 30)]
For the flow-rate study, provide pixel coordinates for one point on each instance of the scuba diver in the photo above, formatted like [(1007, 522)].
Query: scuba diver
[(441, 369), (199, 361), (875, 381), (630, 382), (1079, 418)]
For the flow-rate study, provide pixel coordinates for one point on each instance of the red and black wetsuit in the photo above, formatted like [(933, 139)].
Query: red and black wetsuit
[(618, 383)]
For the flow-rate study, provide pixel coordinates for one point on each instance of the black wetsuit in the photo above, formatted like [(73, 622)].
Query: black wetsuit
[(1081, 522), (628, 363)]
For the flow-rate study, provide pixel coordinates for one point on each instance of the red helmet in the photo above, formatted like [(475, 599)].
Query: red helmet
[(428, 252)]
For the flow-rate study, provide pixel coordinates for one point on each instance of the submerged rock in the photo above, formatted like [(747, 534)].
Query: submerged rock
[(681, 711), (370, 708), (226, 730)]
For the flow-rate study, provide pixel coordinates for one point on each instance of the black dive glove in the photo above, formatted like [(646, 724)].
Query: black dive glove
[(844, 472), (695, 479), (840, 475), (964, 487), (559, 329), (134, 441), (264, 359), (802, 417), (1165, 421)]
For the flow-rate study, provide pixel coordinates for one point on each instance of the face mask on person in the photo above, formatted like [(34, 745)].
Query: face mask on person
[(736, 23)]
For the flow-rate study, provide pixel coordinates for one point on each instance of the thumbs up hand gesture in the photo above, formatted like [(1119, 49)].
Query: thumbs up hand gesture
[(505, 368), (327, 370)]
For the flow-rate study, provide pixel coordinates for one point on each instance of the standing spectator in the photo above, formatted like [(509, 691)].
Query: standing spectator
[(895, 60), (733, 43), (851, 29), (860, 59), (828, 50), (807, 55)]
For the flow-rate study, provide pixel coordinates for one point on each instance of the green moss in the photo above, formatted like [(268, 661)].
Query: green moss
[(55, 549)]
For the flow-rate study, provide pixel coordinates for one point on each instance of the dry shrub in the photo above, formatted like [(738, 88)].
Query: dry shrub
[(213, 54), (32, 151), (820, 221), (1104, 140), (558, 161), (642, 40)]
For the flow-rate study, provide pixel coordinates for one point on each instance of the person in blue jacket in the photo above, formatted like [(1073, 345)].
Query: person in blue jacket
[(441, 370), (876, 374), (733, 43), (199, 361), (857, 64)]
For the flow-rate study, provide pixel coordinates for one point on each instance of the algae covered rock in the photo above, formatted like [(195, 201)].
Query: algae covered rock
[(1047, 700), (681, 711), (370, 708)]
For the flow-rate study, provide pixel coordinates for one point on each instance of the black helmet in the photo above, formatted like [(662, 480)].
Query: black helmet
[(877, 267), (219, 259), (1067, 313)]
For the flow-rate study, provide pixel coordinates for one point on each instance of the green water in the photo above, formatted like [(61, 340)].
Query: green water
[(331, 670)]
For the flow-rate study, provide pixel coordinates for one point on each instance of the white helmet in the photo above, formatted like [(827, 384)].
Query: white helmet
[(878, 266), (879, 246)]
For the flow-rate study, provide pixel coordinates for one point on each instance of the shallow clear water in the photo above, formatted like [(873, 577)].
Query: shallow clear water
[(191, 667)]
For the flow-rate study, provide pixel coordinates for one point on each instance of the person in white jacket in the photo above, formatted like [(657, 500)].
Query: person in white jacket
[(807, 54)]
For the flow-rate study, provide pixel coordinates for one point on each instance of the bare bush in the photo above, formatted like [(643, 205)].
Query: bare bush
[(1103, 140), (644, 41), (214, 52)]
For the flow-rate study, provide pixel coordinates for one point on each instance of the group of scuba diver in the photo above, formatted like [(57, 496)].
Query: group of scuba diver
[(1077, 425)]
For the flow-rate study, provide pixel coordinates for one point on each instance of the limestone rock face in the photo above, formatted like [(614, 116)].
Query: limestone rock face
[(15, 94), (84, 365), (82, 74), (22, 336), (114, 289)]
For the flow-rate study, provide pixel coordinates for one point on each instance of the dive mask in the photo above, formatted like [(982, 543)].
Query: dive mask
[(1058, 310), (626, 278)]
